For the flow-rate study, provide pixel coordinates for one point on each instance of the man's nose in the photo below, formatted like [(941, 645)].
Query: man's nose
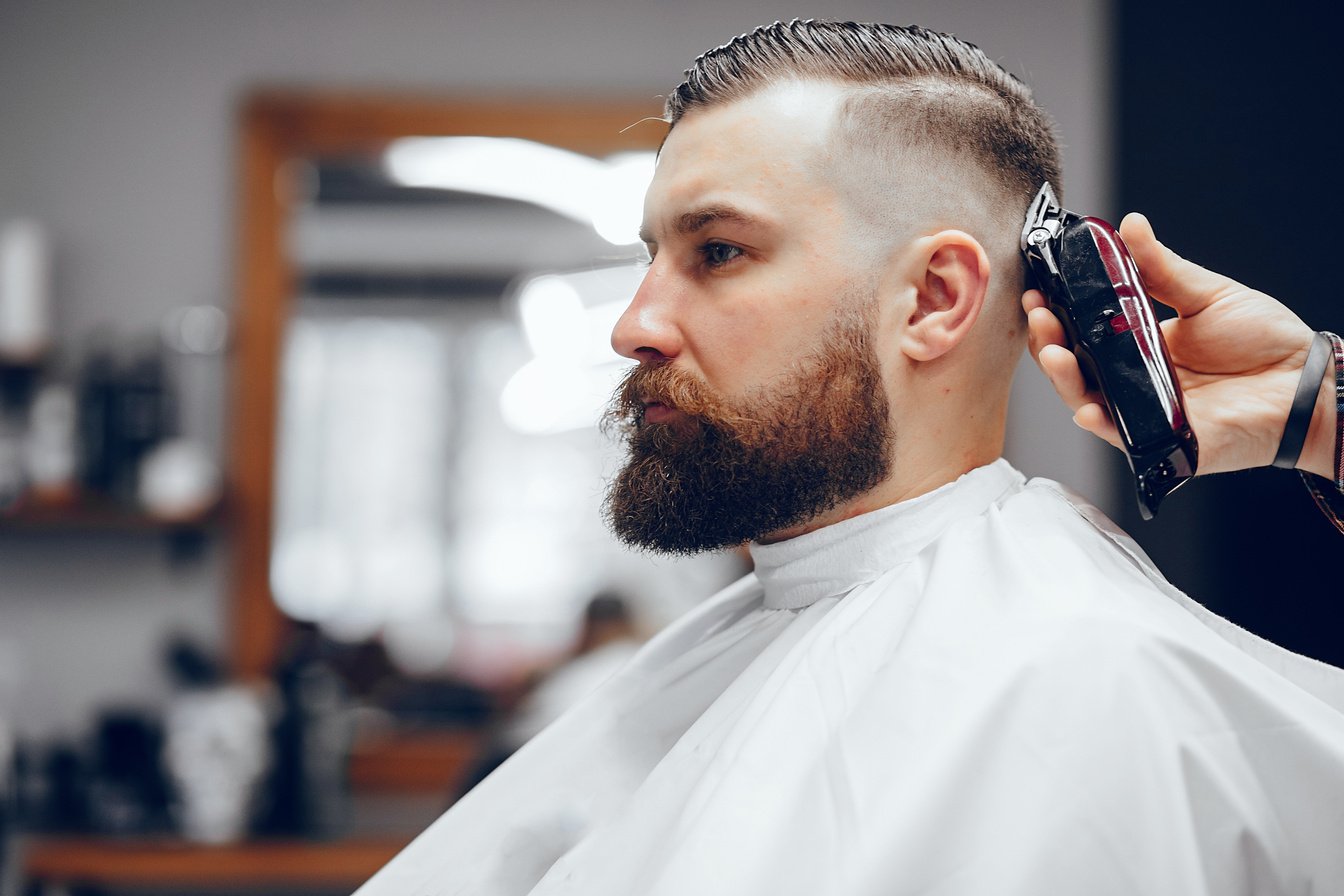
[(648, 330)]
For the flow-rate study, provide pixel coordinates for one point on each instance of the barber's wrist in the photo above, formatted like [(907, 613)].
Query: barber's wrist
[(1318, 453)]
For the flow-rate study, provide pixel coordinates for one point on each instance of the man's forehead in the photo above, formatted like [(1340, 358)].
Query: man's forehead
[(793, 115), (746, 154)]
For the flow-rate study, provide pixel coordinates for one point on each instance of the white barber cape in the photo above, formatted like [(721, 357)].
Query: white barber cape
[(985, 690)]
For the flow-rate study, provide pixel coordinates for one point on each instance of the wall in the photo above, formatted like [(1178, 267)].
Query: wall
[(118, 134), (1221, 145)]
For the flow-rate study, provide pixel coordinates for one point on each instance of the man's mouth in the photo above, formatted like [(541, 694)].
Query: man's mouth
[(657, 412)]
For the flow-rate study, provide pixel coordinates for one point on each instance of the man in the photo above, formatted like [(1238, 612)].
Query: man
[(939, 678)]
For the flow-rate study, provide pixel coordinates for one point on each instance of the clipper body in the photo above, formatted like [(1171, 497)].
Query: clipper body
[(1094, 288)]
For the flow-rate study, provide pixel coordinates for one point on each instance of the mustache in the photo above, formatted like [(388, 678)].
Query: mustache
[(666, 384)]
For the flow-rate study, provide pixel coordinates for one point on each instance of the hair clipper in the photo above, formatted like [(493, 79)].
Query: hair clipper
[(1094, 288)]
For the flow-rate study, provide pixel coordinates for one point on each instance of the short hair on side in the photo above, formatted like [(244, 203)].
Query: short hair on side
[(947, 92)]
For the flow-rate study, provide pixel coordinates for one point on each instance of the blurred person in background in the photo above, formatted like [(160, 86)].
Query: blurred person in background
[(940, 677), (607, 639)]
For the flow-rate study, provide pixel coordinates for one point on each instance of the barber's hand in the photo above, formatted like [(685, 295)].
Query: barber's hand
[(1238, 355)]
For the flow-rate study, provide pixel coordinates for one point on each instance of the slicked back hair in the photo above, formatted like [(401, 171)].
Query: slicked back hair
[(927, 89)]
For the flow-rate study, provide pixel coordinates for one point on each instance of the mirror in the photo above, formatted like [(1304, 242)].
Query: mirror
[(426, 288)]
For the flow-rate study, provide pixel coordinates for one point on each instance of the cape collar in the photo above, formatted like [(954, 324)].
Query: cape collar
[(834, 560)]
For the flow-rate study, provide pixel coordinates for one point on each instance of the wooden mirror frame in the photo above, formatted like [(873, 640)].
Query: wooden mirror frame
[(277, 127)]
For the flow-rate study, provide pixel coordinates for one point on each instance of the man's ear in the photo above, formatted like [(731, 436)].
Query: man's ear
[(949, 271)]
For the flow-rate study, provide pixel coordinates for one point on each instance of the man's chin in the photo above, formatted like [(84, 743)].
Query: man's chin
[(693, 501), (671, 546), (673, 540), (704, 475)]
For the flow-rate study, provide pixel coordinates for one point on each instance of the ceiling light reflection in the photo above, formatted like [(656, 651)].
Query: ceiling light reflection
[(607, 194)]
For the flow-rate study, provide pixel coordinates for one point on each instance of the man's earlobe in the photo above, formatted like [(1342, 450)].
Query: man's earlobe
[(951, 278)]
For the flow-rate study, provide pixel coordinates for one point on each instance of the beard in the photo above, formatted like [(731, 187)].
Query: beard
[(723, 472)]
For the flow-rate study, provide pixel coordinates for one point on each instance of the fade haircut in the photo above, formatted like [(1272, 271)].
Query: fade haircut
[(914, 87)]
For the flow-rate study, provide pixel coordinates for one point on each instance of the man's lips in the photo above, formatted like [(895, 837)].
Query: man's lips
[(657, 412)]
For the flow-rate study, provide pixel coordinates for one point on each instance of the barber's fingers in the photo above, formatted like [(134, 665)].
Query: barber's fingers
[(1095, 419), (1061, 368), (1043, 328), (1033, 298), (1173, 280), (1046, 340)]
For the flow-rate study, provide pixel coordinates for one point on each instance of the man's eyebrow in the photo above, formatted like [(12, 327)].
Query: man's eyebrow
[(698, 219)]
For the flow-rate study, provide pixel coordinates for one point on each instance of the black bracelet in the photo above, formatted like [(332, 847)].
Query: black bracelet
[(1339, 408), (1304, 403)]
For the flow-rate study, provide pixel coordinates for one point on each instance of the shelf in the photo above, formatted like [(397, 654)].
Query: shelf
[(176, 864), (98, 515), (415, 761)]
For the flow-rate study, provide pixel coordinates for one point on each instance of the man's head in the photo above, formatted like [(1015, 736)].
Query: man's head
[(818, 333), (909, 88)]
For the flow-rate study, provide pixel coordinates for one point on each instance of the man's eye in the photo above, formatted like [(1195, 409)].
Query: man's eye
[(719, 254)]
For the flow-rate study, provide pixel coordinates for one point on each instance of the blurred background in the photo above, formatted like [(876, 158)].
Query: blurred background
[(303, 315)]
